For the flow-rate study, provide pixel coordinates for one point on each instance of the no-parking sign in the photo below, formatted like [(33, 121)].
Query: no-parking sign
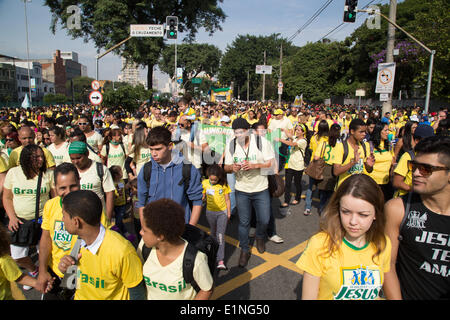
[(385, 78)]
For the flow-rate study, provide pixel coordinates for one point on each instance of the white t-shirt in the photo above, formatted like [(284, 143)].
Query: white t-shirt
[(116, 157), (193, 155), (59, 153), (94, 140), (284, 123), (143, 157), (91, 181), (252, 180), (24, 191), (167, 283)]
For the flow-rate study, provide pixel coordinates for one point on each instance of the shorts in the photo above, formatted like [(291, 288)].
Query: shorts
[(20, 252)]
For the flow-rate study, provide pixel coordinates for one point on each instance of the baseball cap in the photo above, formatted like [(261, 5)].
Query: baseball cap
[(423, 131), (278, 111), (225, 119)]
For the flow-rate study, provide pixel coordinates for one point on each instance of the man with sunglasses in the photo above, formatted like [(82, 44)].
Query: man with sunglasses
[(418, 225), (93, 138)]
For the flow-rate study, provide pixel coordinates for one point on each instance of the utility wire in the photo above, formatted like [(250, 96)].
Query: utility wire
[(307, 23), (343, 23)]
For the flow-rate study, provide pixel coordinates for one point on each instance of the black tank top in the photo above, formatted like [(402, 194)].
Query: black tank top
[(423, 258)]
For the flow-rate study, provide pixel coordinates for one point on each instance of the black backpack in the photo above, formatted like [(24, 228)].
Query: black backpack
[(198, 240)]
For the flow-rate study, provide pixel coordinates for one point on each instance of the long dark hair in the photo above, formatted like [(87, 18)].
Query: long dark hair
[(216, 170), (334, 134), (26, 161), (407, 136), (375, 137), (322, 129)]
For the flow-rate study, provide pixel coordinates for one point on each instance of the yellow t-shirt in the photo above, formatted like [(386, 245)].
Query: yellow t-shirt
[(110, 272), (327, 153), (215, 196), (62, 241), (14, 157), (296, 158), (350, 273), (382, 166), (403, 170), (9, 272), (24, 192), (251, 180), (3, 165), (338, 153), (167, 282), (119, 194), (314, 144)]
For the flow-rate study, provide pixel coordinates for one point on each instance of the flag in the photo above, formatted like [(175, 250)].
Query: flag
[(26, 102)]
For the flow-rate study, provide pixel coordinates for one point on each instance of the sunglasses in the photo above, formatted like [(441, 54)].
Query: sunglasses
[(425, 170), (82, 123)]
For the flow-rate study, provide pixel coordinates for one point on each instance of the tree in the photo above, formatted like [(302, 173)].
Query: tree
[(126, 96), (194, 58), (57, 98), (107, 22), (247, 51)]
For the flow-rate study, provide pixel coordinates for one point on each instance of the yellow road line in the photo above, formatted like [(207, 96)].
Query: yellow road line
[(272, 261)]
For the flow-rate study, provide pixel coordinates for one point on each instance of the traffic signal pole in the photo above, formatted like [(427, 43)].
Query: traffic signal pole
[(387, 105), (432, 52), (99, 56)]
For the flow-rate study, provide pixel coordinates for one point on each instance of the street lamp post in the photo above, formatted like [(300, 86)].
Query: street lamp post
[(28, 50)]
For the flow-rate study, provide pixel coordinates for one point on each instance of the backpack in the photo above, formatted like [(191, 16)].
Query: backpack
[(345, 145), (107, 151), (276, 183), (198, 240), (186, 177)]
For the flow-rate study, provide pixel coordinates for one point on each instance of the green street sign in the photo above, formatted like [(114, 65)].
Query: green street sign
[(197, 80)]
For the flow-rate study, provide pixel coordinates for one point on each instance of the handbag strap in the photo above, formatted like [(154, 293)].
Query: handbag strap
[(38, 197), (322, 151)]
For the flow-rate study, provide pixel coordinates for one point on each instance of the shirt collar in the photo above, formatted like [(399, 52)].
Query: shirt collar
[(94, 246)]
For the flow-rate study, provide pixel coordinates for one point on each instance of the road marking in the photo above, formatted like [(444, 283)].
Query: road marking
[(272, 261)]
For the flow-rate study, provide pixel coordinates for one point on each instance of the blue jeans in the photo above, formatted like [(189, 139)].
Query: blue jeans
[(261, 202), (309, 192), (231, 180), (119, 212)]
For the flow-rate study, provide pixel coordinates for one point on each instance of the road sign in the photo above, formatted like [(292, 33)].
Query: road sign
[(280, 90), (384, 97), (146, 30), (95, 85), (360, 93), (385, 78), (263, 69), (96, 98), (280, 84)]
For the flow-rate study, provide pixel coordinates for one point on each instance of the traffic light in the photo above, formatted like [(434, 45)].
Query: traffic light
[(350, 10), (172, 27)]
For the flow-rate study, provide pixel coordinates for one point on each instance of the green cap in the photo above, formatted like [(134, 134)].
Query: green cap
[(78, 147)]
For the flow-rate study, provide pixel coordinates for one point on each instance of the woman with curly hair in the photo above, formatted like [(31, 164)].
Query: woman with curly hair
[(19, 197), (348, 258)]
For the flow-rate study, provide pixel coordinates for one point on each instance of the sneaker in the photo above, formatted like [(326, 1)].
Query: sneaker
[(221, 266), (31, 274), (307, 212), (276, 238), (252, 233)]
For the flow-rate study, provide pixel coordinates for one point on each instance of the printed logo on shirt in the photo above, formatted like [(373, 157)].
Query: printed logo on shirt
[(163, 287), (29, 191), (61, 237), (96, 282), (359, 283), (415, 220)]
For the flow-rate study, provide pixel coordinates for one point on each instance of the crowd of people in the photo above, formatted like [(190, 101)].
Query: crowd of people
[(79, 172)]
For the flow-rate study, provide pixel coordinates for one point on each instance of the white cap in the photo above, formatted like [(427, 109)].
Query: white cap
[(225, 119), (414, 118)]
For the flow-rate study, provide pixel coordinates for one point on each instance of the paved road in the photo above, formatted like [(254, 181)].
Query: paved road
[(268, 276)]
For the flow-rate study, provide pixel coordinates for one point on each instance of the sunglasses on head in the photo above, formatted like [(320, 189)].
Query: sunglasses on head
[(425, 170)]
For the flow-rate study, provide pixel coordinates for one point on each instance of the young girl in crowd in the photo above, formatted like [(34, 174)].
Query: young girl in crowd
[(120, 202), (218, 207), (132, 187), (9, 271), (349, 256)]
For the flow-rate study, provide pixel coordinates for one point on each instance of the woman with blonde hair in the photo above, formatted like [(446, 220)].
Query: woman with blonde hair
[(348, 258)]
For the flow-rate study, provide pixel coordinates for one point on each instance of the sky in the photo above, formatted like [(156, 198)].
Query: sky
[(254, 17)]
